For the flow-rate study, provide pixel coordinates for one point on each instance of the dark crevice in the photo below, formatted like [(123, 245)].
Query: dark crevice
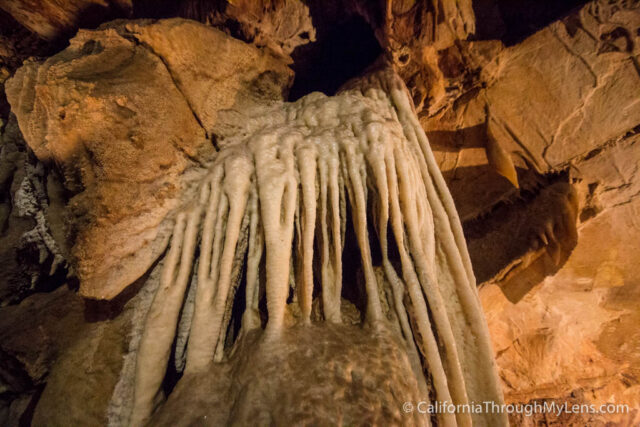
[(156, 9), (340, 53), (173, 373), (262, 291), (515, 227), (353, 289), (514, 20), (238, 305)]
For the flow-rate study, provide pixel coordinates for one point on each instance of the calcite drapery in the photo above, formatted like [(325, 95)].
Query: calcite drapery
[(262, 220), (282, 189)]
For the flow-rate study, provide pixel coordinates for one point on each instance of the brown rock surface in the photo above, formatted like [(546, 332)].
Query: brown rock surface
[(53, 19), (95, 110), (559, 110), (217, 74), (32, 336), (421, 37), (359, 376), (577, 330), (574, 333), (93, 129), (564, 105), (279, 25), (82, 382), (549, 101), (570, 88)]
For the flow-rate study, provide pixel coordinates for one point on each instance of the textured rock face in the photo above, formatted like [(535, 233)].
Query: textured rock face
[(30, 206), (567, 334), (50, 319), (278, 25), (52, 19), (276, 179), (95, 110), (547, 346), (570, 334), (421, 37), (549, 101), (593, 82), (358, 376), (537, 138), (580, 92), (89, 128)]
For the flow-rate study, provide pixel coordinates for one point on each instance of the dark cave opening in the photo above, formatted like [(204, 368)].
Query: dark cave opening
[(340, 53), (514, 20)]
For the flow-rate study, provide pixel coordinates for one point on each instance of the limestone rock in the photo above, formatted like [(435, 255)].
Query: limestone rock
[(555, 114), (52, 19), (547, 344), (32, 251), (95, 129), (422, 38), (569, 336), (564, 105), (358, 376), (96, 111), (545, 234), (81, 385), (559, 96), (278, 25), (32, 336), (215, 73), (570, 88)]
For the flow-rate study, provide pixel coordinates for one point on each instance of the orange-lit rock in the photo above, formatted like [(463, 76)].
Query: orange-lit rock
[(531, 108), (125, 115)]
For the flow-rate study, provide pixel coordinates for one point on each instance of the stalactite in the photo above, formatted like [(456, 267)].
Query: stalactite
[(307, 166), (278, 198), (251, 315), (426, 341)]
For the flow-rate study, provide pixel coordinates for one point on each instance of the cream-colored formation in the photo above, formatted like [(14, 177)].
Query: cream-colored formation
[(280, 190)]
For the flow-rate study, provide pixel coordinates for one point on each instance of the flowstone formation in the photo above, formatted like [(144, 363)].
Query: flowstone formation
[(531, 111), (278, 196), (294, 262)]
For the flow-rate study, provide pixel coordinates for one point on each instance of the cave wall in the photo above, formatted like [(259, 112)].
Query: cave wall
[(533, 118)]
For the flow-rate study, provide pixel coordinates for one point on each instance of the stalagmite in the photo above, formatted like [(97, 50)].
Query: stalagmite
[(271, 222)]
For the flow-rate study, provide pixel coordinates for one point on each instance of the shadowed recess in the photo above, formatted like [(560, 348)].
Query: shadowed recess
[(341, 54)]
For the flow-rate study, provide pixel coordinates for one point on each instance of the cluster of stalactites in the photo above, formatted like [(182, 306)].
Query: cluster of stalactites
[(281, 194)]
